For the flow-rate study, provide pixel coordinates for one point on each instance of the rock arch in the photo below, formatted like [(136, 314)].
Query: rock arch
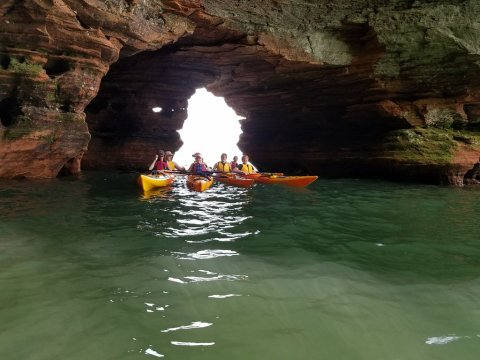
[(348, 88)]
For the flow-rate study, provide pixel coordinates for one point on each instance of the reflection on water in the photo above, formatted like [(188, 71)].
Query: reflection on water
[(339, 270), (153, 194)]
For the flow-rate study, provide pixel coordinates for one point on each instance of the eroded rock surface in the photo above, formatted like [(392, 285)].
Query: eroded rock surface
[(338, 88)]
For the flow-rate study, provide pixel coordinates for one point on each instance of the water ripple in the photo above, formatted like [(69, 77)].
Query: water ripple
[(223, 296), (193, 325), (205, 254), (183, 343), (442, 340), (195, 279), (150, 351)]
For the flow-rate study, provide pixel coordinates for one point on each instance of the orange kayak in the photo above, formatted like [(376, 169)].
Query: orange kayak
[(298, 181), (236, 181), (199, 183), (257, 175), (250, 176)]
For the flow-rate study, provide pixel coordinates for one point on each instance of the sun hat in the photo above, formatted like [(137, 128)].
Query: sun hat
[(197, 154), (168, 153)]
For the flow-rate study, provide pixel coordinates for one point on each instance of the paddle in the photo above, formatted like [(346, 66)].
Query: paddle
[(184, 172), (187, 172), (219, 173)]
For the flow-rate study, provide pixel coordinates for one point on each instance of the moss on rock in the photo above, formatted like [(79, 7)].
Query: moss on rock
[(24, 67), (428, 145)]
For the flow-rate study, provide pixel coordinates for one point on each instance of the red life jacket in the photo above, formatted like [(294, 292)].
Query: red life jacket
[(161, 165)]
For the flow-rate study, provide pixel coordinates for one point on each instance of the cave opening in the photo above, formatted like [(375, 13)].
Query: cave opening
[(296, 115), (56, 67), (211, 128), (9, 110)]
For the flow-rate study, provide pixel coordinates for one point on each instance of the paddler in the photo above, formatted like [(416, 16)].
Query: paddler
[(198, 166), (158, 164), (234, 163), (245, 167), (172, 165), (222, 165)]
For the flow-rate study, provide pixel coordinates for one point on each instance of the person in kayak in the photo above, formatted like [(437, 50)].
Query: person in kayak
[(234, 164), (172, 165), (158, 164), (223, 165), (198, 166), (245, 167)]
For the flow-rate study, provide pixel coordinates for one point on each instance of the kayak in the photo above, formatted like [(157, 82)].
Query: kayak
[(236, 180), (148, 182), (199, 183), (298, 181), (251, 176), (257, 175)]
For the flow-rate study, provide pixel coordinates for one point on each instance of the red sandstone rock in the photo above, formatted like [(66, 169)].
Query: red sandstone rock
[(321, 84)]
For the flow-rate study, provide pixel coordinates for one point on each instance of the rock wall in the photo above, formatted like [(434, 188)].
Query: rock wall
[(378, 88)]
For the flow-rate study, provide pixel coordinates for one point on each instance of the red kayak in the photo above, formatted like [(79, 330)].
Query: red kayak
[(297, 181), (236, 180)]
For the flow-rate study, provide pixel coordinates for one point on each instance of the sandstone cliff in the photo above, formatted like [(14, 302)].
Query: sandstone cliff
[(381, 88)]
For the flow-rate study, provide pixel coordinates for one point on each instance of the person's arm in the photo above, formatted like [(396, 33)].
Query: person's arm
[(238, 169), (215, 167), (178, 167), (153, 163), (190, 169)]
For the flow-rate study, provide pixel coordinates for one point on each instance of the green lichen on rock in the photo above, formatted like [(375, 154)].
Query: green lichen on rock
[(68, 117), (26, 67), (442, 118), (428, 145), (22, 127), (49, 138)]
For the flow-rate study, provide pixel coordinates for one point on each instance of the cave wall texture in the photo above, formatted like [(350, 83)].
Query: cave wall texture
[(375, 88)]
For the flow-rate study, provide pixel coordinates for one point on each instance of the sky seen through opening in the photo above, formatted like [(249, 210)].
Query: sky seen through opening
[(212, 128)]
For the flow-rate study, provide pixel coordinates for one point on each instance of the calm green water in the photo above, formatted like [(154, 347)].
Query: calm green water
[(92, 269)]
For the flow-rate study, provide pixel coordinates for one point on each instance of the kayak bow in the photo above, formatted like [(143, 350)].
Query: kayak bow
[(199, 183), (148, 182)]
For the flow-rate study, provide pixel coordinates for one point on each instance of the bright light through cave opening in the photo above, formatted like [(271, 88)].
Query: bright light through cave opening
[(212, 128)]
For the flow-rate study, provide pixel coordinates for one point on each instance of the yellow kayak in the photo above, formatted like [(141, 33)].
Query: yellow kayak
[(148, 182), (199, 183)]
